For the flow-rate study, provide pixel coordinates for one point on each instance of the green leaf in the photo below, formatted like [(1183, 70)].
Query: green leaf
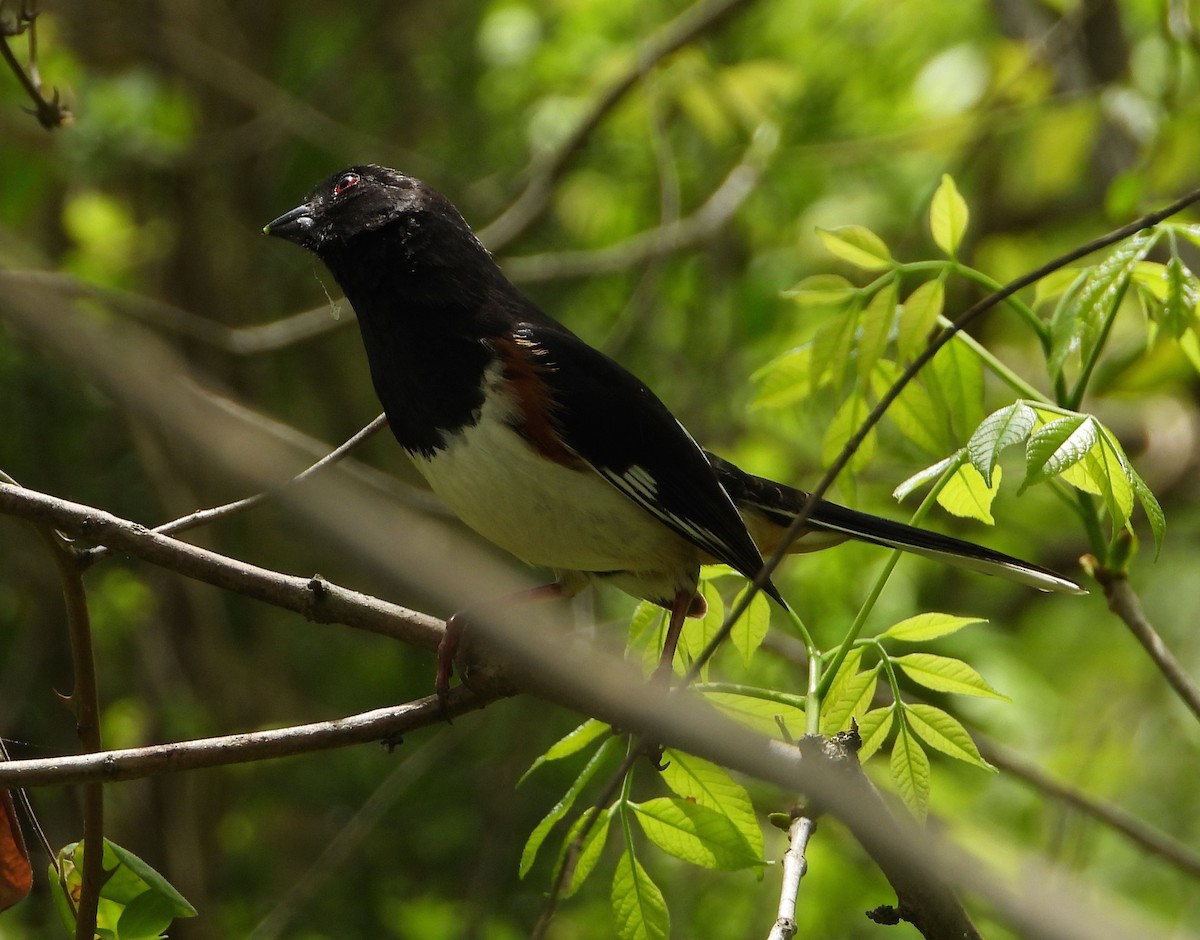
[(968, 495), (828, 291), (849, 694), (590, 851), (910, 411), (571, 743), (831, 348), (1056, 446), (759, 713), (910, 772), (706, 784), (697, 834), (944, 674), (1056, 283), (929, 626), (1078, 322), (1153, 511), (1180, 299), (846, 421), (955, 381), (561, 808), (928, 475), (873, 728), (857, 245), (639, 911), (918, 317), (877, 322), (1001, 429), (944, 732), (784, 380), (751, 627), (948, 216), (697, 633)]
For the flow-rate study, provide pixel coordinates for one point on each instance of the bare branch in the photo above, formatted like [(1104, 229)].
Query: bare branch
[(548, 167), (667, 239), (1123, 601), (795, 867)]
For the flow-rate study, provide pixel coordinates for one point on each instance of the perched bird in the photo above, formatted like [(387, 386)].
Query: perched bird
[(537, 441)]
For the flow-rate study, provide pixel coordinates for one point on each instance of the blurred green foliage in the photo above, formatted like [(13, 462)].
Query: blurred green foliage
[(196, 124)]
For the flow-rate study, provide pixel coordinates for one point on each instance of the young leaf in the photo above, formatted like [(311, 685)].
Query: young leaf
[(948, 216), (560, 809), (706, 784), (877, 322), (590, 851), (911, 410), (944, 674), (928, 475), (944, 732), (1180, 299), (759, 713), (918, 316), (1150, 506), (910, 772), (1056, 446), (849, 695), (955, 381), (831, 347), (857, 245), (873, 728), (822, 290), (846, 422), (751, 627), (968, 495), (571, 743), (697, 633), (929, 626), (784, 380), (697, 834), (639, 911), (1010, 425)]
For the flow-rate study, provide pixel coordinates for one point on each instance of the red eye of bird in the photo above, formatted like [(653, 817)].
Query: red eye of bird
[(346, 181)]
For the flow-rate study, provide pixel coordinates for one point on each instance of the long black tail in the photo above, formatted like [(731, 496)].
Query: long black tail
[(769, 508)]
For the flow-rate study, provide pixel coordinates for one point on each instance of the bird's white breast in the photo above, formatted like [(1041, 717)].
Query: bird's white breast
[(541, 511)]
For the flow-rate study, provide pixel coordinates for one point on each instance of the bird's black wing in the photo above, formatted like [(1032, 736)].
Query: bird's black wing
[(618, 426)]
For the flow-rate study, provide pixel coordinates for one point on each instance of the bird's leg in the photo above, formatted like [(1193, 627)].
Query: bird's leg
[(456, 624), (687, 604)]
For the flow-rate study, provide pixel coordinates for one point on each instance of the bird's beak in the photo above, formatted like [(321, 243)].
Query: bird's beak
[(295, 226)]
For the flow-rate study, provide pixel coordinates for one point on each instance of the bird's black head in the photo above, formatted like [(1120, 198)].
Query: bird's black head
[(362, 199)]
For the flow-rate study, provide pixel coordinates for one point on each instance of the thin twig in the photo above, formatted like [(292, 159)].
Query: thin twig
[(205, 516), (547, 168), (795, 867), (1123, 601)]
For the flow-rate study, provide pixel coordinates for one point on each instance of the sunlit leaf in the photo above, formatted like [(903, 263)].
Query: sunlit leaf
[(697, 834), (639, 911), (1056, 446), (857, 245), (1010, 425), (1153, 511), (968, 495), (849, 694), (571, 743), (822, 290), (846, 422), (785, 380), (910, 772), (589, 851), (944, 732), (928, 475), (945, 674), (954, 379), (948, 216), (928, 626), (707, 784), (751, 627), (918, 316), (1181, 298), (873, 728), (760, 713), (910, 412), (831, 348), (877, 322)]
